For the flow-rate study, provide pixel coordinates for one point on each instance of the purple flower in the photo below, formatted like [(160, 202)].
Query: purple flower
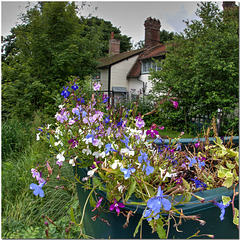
[(155, 203), (99, 202), (127, 172), (116, 206), (197, 144), (152, 131), (96, 86), (59, 163), (192, 161), (65, 93), (222, 207), (73, 143), (140, 122), (37, 189)]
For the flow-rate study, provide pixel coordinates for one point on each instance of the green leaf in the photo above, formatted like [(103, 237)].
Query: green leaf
[(158, 228), (236, 217), (230, 165), (131, 189), (225, 200), (221, 174), (228, 182), (185, 184), (72, 215), (92, 201), (187, 198), (136, 229)]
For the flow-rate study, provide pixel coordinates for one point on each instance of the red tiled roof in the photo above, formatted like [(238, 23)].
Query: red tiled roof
[(107, 61), (152, 52)]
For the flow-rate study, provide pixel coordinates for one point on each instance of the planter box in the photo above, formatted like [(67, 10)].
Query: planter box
[(209, 212), (186, 141)]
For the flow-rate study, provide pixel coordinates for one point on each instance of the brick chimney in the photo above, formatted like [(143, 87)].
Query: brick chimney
[(227, 5), (152, 32), (114, 46)]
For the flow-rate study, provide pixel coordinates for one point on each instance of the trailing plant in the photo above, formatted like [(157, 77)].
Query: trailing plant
[(111, 142)]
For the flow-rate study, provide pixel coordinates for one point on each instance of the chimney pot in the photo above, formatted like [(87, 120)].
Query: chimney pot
[(114, 45), (152, 32)]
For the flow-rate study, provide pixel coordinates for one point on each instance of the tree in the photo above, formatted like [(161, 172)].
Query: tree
[(202, 64), (102, 28), (51, 45)]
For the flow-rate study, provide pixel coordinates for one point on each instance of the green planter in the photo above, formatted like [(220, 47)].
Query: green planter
[(208, 211)]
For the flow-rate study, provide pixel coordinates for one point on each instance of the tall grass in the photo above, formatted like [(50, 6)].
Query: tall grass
[(21, 210)]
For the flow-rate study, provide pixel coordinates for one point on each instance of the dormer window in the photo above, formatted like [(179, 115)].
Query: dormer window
[(149, 64)]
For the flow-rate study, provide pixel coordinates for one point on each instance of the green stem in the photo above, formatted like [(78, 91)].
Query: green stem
[(87, 202)]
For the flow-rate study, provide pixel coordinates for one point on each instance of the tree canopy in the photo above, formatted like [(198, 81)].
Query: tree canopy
[(202, 65), (50, 45)]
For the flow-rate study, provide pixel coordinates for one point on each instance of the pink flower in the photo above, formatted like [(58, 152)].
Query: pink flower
[(175, 104), (116, 206)]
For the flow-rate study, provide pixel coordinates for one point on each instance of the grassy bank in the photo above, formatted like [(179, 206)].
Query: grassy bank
[(21, 210)]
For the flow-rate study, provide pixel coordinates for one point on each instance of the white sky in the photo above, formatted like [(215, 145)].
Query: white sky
[(129, 16)]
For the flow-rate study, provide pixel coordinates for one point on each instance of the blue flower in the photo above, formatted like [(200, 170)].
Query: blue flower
[(143, 157), (179, 147), (201, 164), (107, 119), (148, 212), (126, 141), (127, 172), (192, 161), (222, 207), (37, 189), (109, 148), (198, 183), (65, 93), (155, 203), (149, 169), (84, 114), (74, 87)]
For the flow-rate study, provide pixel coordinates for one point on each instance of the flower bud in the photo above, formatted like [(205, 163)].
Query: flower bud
[(46, 223)]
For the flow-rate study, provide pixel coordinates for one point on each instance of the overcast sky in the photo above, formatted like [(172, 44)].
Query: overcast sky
[(129, 16)]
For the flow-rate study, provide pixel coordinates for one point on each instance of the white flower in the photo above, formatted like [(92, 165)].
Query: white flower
[(48, 126), (87, 151), (96, 154), (100, 144), (103, 154), (81, 131), (167, 174), (127, 151), (87, 140), (37, 137), (72, 161), (121, 188), (90, 173), (60, 157), (116, 164), (61, 107), (57, 143)]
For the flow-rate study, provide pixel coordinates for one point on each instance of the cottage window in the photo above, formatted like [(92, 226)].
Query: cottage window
[(148, 65)]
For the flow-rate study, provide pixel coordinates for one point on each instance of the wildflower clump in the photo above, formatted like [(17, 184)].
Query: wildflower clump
[(122, 155)]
